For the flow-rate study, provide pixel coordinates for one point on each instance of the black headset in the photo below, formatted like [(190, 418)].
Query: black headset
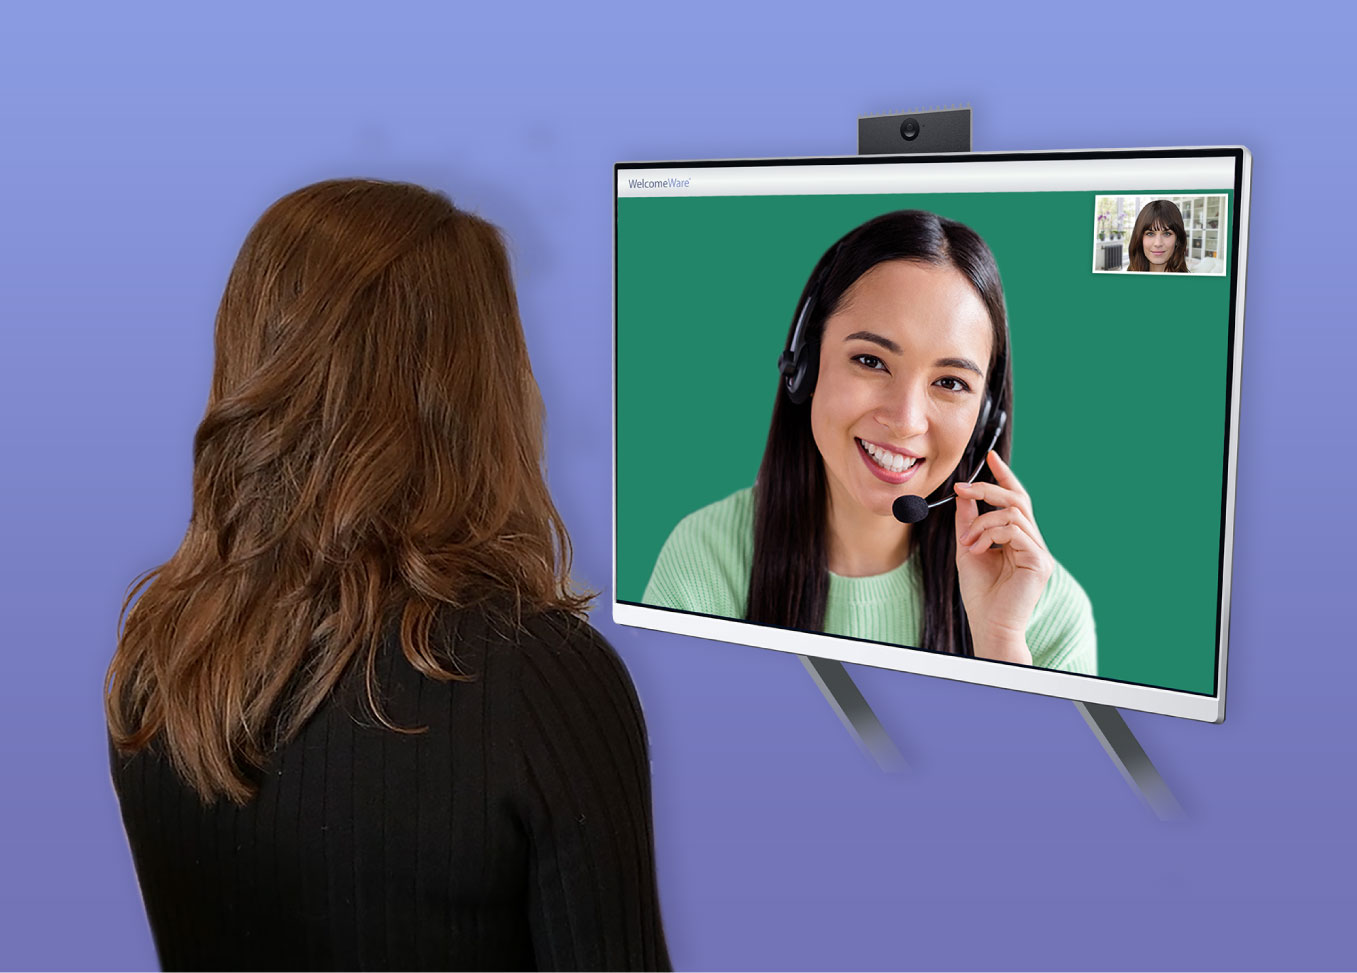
[(799, 365)]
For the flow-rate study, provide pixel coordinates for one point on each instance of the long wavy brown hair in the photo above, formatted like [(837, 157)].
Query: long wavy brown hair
[(371, 453)]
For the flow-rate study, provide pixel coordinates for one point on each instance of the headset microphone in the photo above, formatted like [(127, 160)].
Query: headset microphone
[(911, 509)]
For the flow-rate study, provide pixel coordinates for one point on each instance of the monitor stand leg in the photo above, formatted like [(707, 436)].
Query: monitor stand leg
[(1106, 723), (854, 712), (1125, 750)]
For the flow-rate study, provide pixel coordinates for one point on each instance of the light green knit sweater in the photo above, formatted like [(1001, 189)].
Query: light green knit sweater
[(704, 567)]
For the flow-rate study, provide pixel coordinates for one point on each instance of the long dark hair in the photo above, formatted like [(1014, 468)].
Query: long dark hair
[(370, 454), (1159, 214), (789, 582)]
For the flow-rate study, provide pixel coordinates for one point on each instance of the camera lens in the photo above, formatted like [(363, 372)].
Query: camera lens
[(909, 129)]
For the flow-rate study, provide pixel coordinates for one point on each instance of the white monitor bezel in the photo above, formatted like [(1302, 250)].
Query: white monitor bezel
[(958, 169)]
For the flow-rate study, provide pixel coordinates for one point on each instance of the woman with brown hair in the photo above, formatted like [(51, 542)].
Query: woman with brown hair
[(358, 719), (1158, 242)]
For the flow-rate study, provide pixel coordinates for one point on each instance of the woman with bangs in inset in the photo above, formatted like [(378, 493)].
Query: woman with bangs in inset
[(1159, 241), (359, 719)]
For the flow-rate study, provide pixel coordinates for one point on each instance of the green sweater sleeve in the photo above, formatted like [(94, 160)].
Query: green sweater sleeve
[(1061, 634), (704, 565)]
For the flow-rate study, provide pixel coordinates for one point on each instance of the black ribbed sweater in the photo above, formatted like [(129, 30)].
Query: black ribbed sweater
[(514, 834)]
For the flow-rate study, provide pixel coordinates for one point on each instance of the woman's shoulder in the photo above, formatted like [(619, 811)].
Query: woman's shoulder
[(491, 635), (564, 640), (565, 665), (704, 564), (522, 671), (733, 513), (1061, 634)]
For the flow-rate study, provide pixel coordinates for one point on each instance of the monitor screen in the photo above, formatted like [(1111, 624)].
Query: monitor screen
[(972, 416)]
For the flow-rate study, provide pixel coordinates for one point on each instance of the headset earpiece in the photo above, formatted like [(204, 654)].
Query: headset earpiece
[(800, 364), (990, 424), (982, 424), (988, 428)]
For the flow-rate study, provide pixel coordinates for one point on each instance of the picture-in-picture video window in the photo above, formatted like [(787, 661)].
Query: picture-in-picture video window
[(1173, 233), (1099, 418)]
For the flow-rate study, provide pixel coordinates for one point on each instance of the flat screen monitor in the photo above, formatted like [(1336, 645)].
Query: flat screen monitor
[(972, 416)]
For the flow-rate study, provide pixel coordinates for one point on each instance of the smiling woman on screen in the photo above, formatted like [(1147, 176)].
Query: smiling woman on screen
[(897, 383), (358, 718)]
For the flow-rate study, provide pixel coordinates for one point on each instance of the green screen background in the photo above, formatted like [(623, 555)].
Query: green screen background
[(1119, 382)]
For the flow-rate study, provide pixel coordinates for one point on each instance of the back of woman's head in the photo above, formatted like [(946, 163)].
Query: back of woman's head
[(370, 453)]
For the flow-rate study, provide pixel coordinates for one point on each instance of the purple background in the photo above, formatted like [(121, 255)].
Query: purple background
[(138, 146)]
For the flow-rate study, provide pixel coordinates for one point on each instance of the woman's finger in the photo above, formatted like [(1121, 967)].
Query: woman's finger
[(994, 495), (1008, 517), (1018, 545), (996, 518), (966, 512), (1003, 473)]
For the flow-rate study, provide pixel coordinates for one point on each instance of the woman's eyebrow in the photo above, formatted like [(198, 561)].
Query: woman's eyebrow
[(875, 339), (964, 363)]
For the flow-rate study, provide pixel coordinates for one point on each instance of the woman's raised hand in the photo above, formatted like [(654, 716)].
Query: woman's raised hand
[(1002, 562)]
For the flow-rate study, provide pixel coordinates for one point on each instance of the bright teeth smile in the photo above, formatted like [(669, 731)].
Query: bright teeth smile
[(888, 461)]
